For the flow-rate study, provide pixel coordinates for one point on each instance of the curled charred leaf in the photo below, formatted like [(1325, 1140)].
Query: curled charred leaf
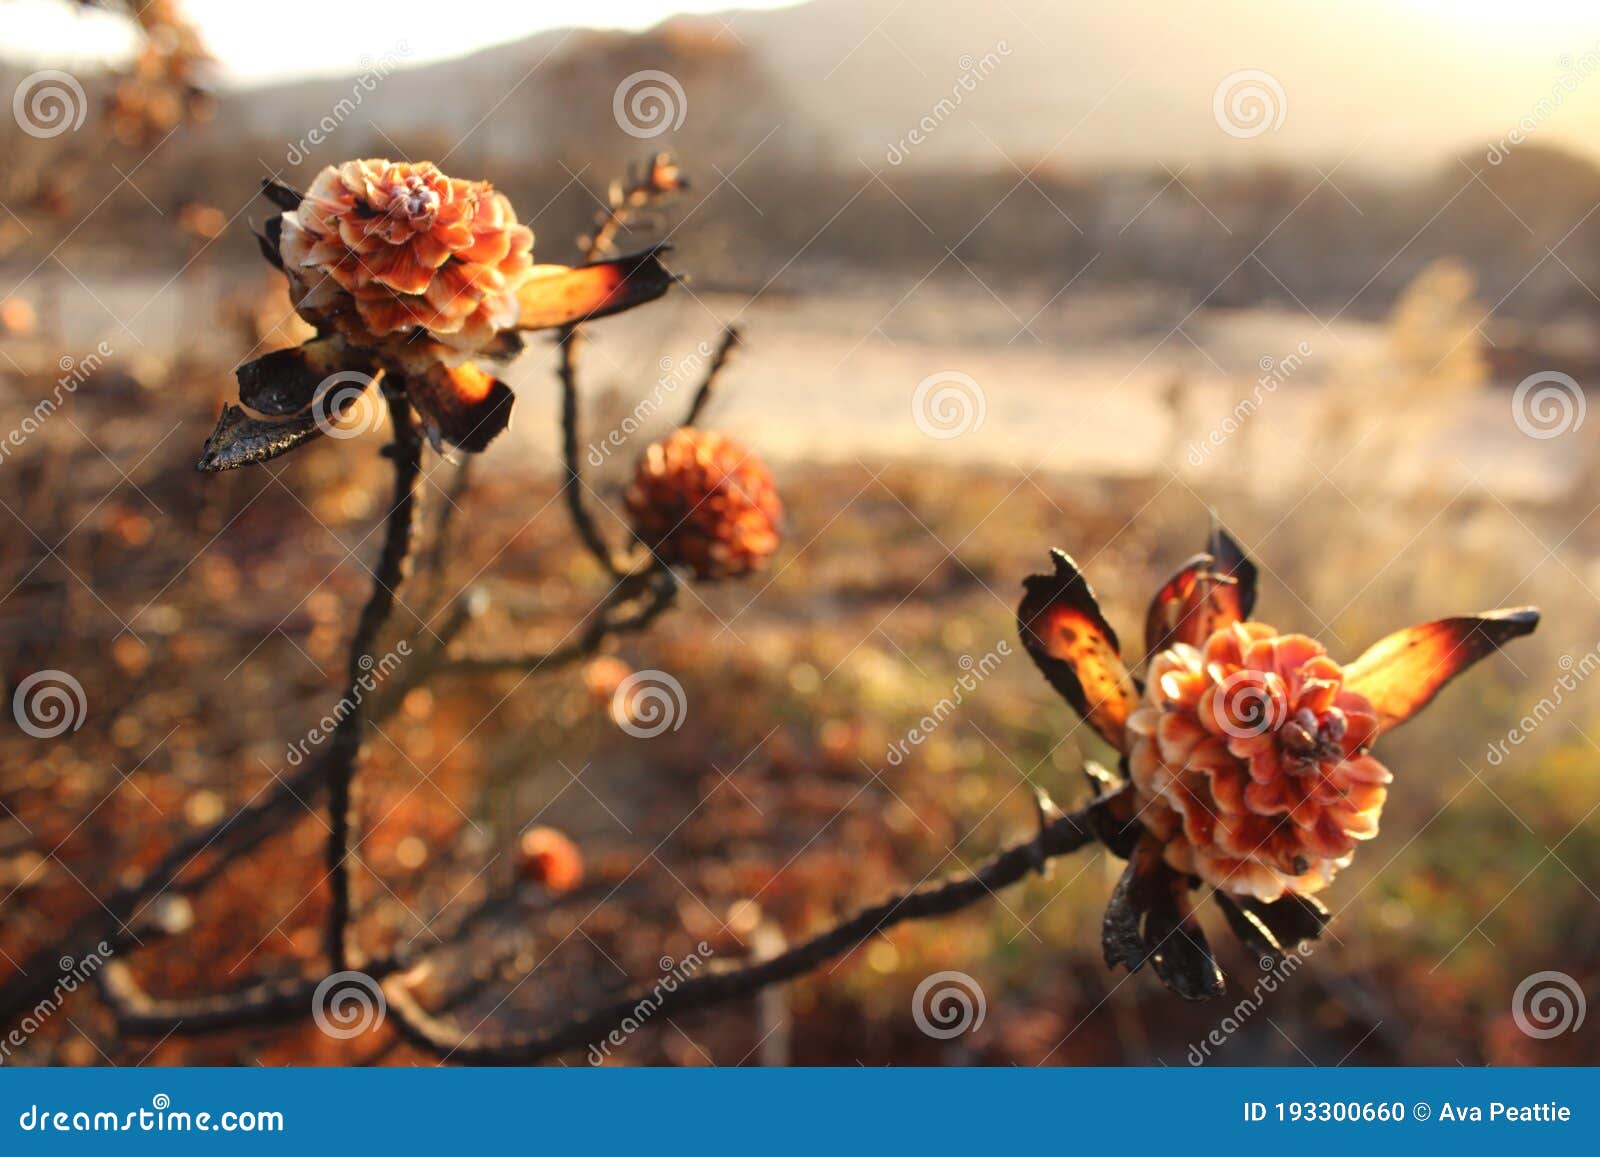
[(1210, 591), (283, 196), (1403, 671), (1122, 933), (1251, 930), (241, 440), (460, 405), (1071, 642), (287, 381), (1289, 919), (557, 295), (1175, 943), (269, 239)]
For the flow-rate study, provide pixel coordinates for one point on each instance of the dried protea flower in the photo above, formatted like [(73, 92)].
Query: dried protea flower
[(1236, 737), (701, 500), (1246, 759), (378, 248), (549, 858), (409, 273)]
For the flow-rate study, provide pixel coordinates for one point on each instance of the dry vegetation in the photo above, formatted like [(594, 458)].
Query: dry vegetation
[(206, 619)]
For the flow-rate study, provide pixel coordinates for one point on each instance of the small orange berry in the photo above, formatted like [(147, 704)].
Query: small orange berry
[(549, 858)]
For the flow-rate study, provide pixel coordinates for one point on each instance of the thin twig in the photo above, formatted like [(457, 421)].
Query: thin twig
[(583, 520), (729, 343), (345, 749), (622, 207), (603, 624), (1059, 837)]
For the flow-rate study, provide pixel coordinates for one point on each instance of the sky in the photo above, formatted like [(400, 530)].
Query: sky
[(289, 38)]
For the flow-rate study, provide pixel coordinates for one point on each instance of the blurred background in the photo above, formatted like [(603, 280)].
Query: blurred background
[(1009, 277)]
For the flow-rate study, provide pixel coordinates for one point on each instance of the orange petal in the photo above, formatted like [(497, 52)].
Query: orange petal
[(401, 271), (1400, 674), (1208, 592), (1071, 642), (555, 295), (461, 405)]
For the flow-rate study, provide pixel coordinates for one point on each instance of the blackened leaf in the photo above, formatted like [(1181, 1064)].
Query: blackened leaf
[(281, 195), (1402, 672), (1121, 937), (1249, 928), (1076, 649), (1290, 919), (1208, 592), (269, 238), (286, 382), (461, 405), (1176, 944), (560, 295), (240, 440)]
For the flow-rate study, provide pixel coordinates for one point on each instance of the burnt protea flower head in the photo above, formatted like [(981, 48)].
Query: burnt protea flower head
[(411, 274), (1245, 754), (701, 500), (379, 248)]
